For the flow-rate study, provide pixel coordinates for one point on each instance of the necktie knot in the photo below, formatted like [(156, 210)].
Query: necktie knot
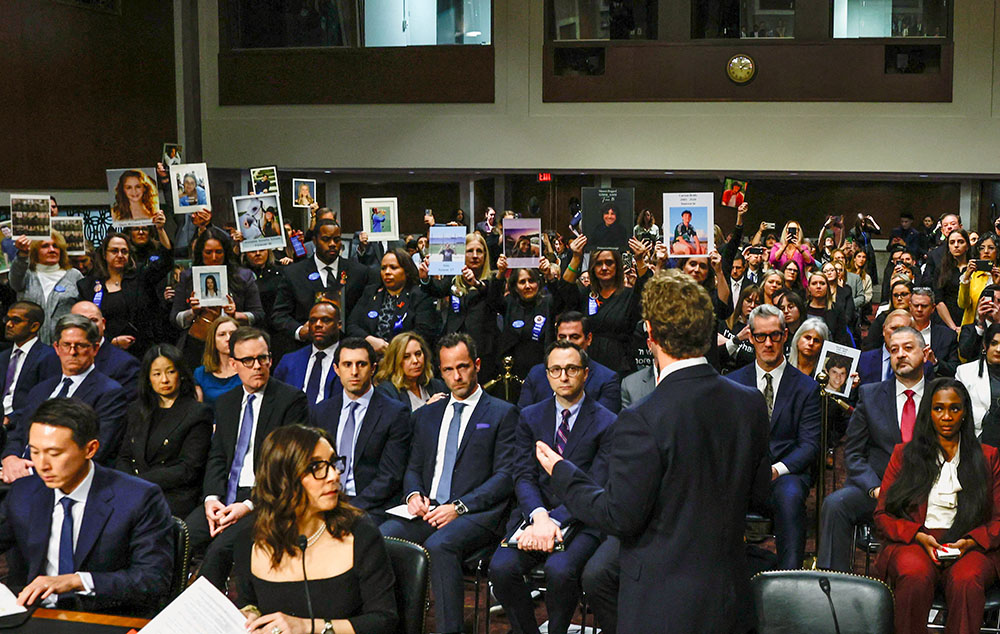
[(67, 504), (17, 352), (909, 394), (458, 408), (250, 399), (565, 415), (320, 355), (353, 406)]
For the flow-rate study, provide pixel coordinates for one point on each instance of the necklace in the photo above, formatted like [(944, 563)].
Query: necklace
[(315, 536)]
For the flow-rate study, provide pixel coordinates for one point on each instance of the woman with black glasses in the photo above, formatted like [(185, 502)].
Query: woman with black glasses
[(298, 493)]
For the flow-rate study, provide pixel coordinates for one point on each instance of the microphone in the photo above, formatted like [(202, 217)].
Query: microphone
[(824, 585), (303, 542)]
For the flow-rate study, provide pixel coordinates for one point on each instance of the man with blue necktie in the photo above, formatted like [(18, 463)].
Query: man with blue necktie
[(458, 481), (89, 538), (311, 368)]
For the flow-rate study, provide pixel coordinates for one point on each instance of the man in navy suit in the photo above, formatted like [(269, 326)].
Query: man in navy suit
[(876, 426), (325, 275), (603, 384), (311, 368), (941, 340), (371, 430), (87, 537), (793, 405), (76, 344), (111, 360), (458, 480), (683, 465), (29, 361), (579, 428), (874, 365)]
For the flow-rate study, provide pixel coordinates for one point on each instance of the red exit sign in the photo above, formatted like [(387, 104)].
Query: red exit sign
[(544, 177)]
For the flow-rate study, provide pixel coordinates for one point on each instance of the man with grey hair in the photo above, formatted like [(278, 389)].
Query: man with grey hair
[(883, 418), (792, 400), (76, 341), (873, 366), (941, 340)]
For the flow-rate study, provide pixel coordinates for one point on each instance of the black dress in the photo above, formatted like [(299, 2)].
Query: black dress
[(471, 313), (948, 293), (528, 328), (363, 595)]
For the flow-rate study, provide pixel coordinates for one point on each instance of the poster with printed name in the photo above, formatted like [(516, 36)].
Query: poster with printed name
[(135, 197), (689, 224), (608, 216), (839, 362), (189, 188), (211, 285), (445, 250), (258, 218)]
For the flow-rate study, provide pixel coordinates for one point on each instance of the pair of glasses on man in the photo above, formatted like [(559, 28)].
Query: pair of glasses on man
[(761, 337), (320, 469), (572, 371), (264, 360)]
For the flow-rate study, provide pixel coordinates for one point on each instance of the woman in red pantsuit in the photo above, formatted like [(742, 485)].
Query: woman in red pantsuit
[(940, 489)]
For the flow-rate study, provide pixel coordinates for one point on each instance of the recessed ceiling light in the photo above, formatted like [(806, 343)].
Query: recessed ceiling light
[(668, 172), (328, 171), (922, 175)]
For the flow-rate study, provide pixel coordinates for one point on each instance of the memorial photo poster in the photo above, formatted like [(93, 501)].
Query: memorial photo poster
[(71, 228), (258, 218), (522, 242), (445, 250), (608, 216), (173, 154), (264, 180), (689, 224), (380, 219), (211, 285), (733, 192), (30, 217), (7, 248), (135, 197), (839, 362), (303, 192), (189, 188)]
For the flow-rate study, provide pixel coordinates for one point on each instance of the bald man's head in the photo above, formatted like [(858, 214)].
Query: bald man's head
[(91, 312)]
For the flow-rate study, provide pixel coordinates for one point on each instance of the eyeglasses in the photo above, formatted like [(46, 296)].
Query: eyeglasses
[(320, 469), (761, 337), (901, 295), (74, 347), (572, 371), (264, 360)]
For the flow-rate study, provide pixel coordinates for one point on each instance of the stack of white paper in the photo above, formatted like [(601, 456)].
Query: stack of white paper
[(201, 608)]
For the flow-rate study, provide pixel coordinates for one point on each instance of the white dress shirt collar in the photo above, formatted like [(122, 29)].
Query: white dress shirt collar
[(776, 375), (320, 265), (680, 365)]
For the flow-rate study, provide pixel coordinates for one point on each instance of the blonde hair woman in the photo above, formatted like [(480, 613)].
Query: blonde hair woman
[(42, 273), (405, 372)]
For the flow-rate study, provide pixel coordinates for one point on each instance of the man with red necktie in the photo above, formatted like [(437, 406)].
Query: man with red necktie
[(883, 418)]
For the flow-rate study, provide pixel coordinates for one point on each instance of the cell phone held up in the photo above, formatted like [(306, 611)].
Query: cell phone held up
[(984, 265), (793, 233)]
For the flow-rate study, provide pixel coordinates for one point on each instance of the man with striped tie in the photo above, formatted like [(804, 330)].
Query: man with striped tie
[(579, 429), (457, 485)]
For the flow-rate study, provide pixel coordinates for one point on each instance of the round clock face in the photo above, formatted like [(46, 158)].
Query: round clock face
[(741, 68)]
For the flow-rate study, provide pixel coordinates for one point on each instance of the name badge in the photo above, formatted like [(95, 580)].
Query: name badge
[(154, 258), (372, 314), (456, 303), (591, 306), (314, 276), (98, 296), (399, 323), (60, 289), (536, 330), (517, 323)]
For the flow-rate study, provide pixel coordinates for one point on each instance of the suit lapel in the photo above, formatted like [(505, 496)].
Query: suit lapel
[(95, 516), (584, 419), (86, 386), (263, 420), (782, 391), (887, 403), (337, 404), (38, 539), (477, 414), (178, 415), (368, 424)]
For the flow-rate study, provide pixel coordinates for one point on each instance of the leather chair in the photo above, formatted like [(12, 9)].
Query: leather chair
[(991, 612), (476, 570), (821, 602), (411, 566), (536, 581), (866, 540), (182, 560)]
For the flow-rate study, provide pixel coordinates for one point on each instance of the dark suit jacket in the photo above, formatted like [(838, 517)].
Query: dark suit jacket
[(297, 292), (125, 539), (682, 468), (40, 364), (483, 465), (871, 434), (602, 385), (120, 366), (638, 386), (944, 343), (282, 405), (870, 366), (381, 450), (434, 386), (105, 395), (177, 464), (795, 418), (414, 310), (588, 447), (970, 343), (292, 370)]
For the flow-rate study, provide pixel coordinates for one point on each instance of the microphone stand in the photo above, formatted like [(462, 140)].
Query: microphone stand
[(303, 543)]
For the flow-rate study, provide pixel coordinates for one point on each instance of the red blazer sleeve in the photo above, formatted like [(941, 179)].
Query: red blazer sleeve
[(895, 528), (987, 536)]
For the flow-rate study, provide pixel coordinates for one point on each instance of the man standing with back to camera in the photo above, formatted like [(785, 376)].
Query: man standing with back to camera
[(683, 464)]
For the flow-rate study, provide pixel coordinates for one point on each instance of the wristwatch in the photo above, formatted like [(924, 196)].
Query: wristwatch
[(327, 628), (460, 508)]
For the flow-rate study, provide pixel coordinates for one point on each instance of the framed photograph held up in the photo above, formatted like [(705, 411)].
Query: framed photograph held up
[(259, 220), (380, 219), (30, 217), (211, 285), (689, 224), (189, 188)]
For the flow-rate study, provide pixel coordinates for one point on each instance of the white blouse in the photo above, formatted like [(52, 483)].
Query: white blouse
[(942, 502), (416, 402)]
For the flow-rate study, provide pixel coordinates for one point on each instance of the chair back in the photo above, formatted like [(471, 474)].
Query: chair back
[(411, 566), (182, 560), (820, 602)]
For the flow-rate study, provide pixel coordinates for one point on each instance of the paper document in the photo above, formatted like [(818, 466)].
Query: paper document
[(401, 511), (8, 602), (201, 608)]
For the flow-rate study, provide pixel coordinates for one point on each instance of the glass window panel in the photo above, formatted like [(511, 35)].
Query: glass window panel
[(427, 22), (890, 18), (743, 19), (605, 19), (292, 23)]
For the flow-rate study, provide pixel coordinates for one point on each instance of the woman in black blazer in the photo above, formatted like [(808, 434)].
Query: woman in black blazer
[(405, 372), (394, 306), (168, 431)]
